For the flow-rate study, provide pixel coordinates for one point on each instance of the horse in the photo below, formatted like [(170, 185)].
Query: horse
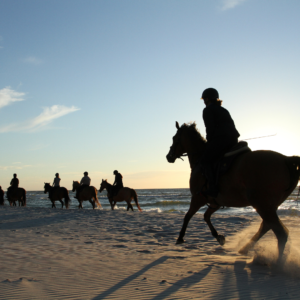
[(57, 195), (17, 194), (124, 194), (88, 193), (262, 179), (1, 196)]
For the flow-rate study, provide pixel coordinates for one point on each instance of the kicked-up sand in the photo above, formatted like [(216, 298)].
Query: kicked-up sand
[(86, 254)]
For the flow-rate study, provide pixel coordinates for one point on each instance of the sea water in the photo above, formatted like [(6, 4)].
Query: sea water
[(158, 200)]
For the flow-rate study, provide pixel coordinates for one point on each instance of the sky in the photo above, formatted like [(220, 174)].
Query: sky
[(97, 86)]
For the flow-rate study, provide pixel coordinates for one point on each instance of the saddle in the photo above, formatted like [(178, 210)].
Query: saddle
[(224, 164)]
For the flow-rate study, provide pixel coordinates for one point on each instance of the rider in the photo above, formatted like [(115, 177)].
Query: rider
[(55, 184), (14, 184), (118, 184), (221, 136), (85, 181)]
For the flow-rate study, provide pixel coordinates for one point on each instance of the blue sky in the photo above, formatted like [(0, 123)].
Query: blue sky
[(98, 85)]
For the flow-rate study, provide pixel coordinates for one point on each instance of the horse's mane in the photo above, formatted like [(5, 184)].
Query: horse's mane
[(192, 130)]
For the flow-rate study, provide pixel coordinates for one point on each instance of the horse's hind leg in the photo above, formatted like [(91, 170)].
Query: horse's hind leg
[(207, 215), (196, 203), (62, 203), (93, 203), (129, 206), (263, 229), (279, 229)]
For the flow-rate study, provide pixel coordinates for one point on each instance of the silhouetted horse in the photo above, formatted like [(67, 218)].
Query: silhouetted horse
[(57, 194), (261, 179), (124, 194), (17, 194), (88, 193), (1, 196)]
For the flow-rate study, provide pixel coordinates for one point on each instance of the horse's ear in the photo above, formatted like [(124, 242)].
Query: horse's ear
[(106, 180), (177, 125)]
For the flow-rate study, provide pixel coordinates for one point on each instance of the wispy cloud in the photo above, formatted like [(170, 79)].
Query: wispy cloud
[(19, 167), (229, 4), (33, 60), (8, 96), (46, 117)]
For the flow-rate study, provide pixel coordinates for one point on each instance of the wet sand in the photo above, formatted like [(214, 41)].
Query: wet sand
[(101, 254)]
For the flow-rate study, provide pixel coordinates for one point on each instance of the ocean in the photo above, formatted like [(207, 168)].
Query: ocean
[(159, 200)]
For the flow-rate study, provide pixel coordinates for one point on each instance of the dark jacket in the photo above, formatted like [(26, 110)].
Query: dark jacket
[(218, 123), (14, 183), (118, 180)]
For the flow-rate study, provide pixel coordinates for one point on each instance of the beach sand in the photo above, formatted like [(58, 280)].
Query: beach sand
[(101, 254)]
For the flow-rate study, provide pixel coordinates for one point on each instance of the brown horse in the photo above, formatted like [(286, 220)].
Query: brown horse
[(1, 196), (261, 179), (57, 195), (17, 194), (88, 193), (124, 194)]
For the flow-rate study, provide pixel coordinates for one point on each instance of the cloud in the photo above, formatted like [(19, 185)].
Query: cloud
[(229, 4), (33, 60), (47, 116), (20, 167), (8, 96)]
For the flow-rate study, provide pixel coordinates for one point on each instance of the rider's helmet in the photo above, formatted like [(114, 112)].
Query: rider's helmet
[(116, 172), (15, 175), (85, 173), (56, 174), (210, 93)]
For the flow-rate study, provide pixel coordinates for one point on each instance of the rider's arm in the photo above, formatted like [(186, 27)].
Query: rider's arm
[(209, 121)]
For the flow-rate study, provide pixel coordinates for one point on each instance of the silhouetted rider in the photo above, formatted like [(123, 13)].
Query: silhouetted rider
[(221, 136), (118, 184), (85, 181), (14, 184), (55, 184)]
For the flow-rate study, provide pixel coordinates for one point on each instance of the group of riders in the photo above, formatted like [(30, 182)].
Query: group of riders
[(85, 182), (221, 136)]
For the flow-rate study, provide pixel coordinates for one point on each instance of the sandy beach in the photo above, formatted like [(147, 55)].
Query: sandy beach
[(102, 254)]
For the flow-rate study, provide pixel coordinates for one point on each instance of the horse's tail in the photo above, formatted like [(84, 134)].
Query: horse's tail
[(24, 196), (67, 198), (293, 164), (134, 196), (96, 198)]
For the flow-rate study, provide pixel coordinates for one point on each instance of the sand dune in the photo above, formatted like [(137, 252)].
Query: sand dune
[(85, 254)]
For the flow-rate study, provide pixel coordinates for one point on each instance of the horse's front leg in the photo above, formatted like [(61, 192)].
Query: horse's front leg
[(197, 201), (207, 215)]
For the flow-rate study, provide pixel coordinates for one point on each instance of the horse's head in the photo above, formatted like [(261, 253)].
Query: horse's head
[(47, 187), (75, 185), (187, 139), (177, 149), (103, 185)]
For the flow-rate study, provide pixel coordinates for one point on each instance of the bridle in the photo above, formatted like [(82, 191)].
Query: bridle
[(172, 151)]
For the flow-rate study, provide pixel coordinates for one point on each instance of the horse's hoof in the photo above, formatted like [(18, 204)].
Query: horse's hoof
[(221, 239), (244, 250), (180, 241)]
